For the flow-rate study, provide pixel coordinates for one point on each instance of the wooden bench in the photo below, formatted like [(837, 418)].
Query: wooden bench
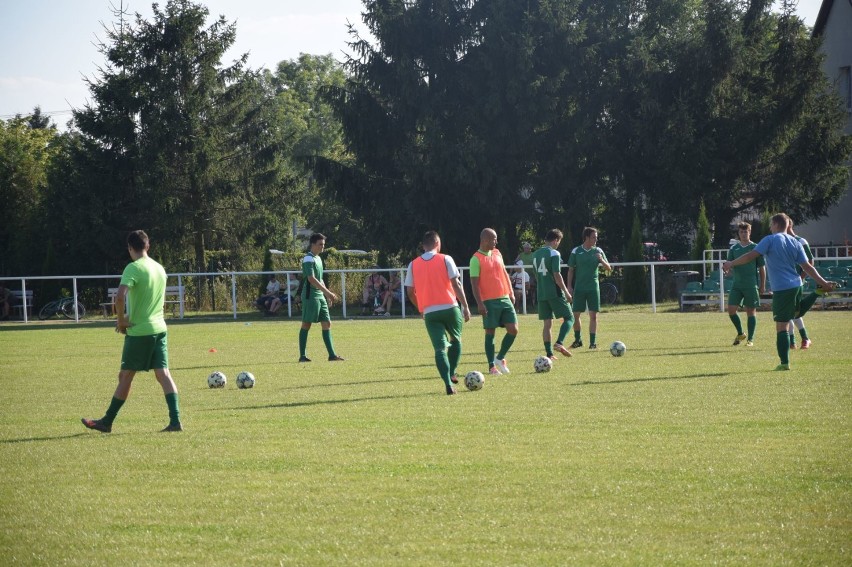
[(174, 297), (18, 298)]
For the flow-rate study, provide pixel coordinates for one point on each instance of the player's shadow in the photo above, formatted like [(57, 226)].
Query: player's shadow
[(652, 379), (30, 439), (330, 402)]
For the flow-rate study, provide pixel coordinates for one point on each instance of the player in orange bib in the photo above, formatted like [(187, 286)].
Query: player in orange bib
[(492, 289), (433, 286)]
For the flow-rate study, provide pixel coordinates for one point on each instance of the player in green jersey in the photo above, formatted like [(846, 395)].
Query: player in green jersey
[(142, 289), (798, 322), (553, 296), (749, 283), (315, 298), (584, 263)]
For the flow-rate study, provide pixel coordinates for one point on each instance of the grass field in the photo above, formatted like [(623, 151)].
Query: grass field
[(686, 451)]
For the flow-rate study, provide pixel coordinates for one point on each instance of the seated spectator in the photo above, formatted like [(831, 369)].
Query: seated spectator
[(375, 288), (269, 302), (394, 292), (5, 302), (526, 258), (520, 282)]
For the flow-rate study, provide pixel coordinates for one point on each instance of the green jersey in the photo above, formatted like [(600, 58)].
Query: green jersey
[(311, 266), (546, 262), (745, 276), (808, 252), (586, 267), (146, 280)]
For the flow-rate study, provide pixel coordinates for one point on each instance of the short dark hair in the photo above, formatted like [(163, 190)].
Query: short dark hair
[(587, 232), (316, 237), (781, 219), (430, 238), (553, 234), (138, 240), (743, 225)]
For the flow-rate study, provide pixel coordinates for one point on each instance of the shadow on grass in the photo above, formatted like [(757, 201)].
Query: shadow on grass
[(653, 379), (438, 392), (57, 438)]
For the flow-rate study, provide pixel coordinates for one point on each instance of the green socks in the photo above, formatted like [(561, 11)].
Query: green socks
[(454, 356), (112, 411), (174, 410), (489, 349), (505, 345), (752, 325), (303, 342), (443, 364), (563, 331), (783, 345), (548, 349), (735, 319), (329, 346)]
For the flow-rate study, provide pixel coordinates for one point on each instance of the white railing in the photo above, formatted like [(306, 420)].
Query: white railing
[(289, 275)]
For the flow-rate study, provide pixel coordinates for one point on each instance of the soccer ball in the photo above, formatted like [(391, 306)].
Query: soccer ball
[(617, 348), (542, 364), (217, 380), (245, 380), (474, 380)]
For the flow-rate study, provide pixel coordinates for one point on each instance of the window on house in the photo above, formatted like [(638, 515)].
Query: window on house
[(845, 86)]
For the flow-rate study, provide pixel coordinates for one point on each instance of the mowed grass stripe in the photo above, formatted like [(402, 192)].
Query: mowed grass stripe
[(684, 451)]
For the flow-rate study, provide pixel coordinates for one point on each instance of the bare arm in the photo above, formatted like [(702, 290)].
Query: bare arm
[(457, 287), (474, 286), (321, 286), (123, 323), (560, 283), (812, 272), (604, 263), (570, 279), (744, 259), (761, 275)]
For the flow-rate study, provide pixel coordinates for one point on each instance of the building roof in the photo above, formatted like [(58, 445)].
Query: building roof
[(822, 17)]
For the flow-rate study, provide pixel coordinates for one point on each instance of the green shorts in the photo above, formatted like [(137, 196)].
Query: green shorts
[(747, 297), (145, 353), (500, 312), (440, 324), (587, 299), (785, 304), (556, 308), (315, 310)]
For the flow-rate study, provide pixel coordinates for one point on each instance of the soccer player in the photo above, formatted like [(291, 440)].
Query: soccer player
[(745, 290), (583, 264), (143, 290), (799, 322), (782, 252), (553, 295), (315, 297), (433, 286), (492, 289)]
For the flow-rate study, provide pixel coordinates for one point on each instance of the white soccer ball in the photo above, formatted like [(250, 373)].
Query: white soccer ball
[(542, 364), (617, 348), (245, 380), (474, 380), (217, 380)]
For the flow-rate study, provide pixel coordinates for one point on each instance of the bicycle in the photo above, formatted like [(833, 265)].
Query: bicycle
[(67, 307), (609, 293)]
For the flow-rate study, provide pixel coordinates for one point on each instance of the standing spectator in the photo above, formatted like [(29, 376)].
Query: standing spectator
[(492, 290), (315, 300), (5, 302), (433, 286), (746, 289), (553, 296), (520, 282), (583, 264), (143, 287), (782, 252)]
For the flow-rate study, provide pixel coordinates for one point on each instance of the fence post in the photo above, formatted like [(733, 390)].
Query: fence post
[(234, 293), (653, 289), (343, 293), (74, 299), (24, 297), (180, 295)]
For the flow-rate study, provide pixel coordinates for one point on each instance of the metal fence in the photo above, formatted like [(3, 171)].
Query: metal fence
[(235, 293)]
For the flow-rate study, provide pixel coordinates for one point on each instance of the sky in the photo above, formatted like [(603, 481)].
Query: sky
[(50, 46)]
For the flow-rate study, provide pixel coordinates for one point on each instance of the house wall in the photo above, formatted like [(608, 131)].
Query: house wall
[(837, 45)]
